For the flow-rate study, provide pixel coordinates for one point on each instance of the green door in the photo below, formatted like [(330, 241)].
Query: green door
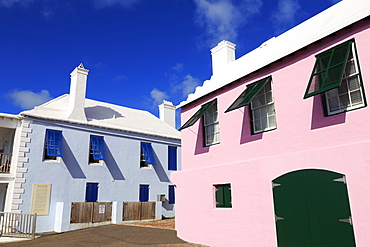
[(312, 209)]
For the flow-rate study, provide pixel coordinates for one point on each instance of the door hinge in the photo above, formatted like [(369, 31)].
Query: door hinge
[(342, 179), (278, 218), (275, 185), (349, 220)]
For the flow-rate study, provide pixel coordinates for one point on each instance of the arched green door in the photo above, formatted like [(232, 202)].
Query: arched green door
[(312, 209)]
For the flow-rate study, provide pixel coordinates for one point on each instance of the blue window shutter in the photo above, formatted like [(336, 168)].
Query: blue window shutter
[(98, 147), (54, 143), (148, 152), (172, 158), (171, 194), (144, 193), (91, 192)]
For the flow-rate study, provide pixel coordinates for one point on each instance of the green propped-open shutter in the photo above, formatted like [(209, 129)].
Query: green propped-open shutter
[(328, 70), (198, 115), (248, 94)]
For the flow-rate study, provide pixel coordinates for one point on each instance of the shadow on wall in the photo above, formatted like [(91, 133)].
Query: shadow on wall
[(101, 112), (319, 120), (199, 145), (161, 173), (113, 166), (246, 135), (167, 205), (71, 162)]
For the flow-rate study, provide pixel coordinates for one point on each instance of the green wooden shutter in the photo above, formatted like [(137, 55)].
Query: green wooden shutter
[(328, 69), (198, 115), (223, 196), (247, 95)]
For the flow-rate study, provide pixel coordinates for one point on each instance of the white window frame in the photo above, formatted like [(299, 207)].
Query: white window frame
[(269, 116), (211, 126), (334, 95)]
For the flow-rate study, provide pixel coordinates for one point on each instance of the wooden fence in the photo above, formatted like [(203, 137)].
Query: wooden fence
[(138, 211), (91, 212), (18, 225)]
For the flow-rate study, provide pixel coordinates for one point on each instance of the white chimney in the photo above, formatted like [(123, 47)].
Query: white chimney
[(222, 54), (167, 112), (77, 93)]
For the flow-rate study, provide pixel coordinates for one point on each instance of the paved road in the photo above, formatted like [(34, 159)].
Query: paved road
[(108, 236)]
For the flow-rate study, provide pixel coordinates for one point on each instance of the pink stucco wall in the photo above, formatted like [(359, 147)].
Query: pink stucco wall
[(304, 138)]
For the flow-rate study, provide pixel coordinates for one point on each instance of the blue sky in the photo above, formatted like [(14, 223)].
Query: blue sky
[(139, 52)]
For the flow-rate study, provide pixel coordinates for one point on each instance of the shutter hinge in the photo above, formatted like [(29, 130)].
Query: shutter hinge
[(275, 185), (342, 179), (278, 218), (349, 220)]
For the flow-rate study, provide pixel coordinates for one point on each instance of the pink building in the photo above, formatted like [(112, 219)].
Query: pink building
[(276, 145)]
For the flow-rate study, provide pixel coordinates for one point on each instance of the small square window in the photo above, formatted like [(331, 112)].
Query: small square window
[(223, 195)]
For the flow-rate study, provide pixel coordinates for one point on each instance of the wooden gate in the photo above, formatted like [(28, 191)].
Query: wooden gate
[(138, 211), (91, 212), (17, 225)]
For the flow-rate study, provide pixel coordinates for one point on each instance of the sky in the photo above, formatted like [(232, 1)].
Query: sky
[(138, 52)]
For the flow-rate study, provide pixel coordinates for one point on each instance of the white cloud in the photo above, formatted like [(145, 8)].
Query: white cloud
[(10, 3), (158, 96), (223, 18), (28, 99), (178, 67), (188, 85), (109, 3), (285, 15)]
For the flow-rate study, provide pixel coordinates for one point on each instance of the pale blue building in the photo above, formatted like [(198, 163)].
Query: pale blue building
[(83, 150)]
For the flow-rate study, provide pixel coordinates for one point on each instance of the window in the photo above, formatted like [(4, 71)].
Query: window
[(211, 126), (223, 195), (259, 96), (97, 149), (336, 75), (91, 192), (53, 145), (144, 193), (172, 158), (171, 194), (147, 155), (210, 121)]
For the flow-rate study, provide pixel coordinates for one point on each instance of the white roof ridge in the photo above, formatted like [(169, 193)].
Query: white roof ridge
[(331, 20)]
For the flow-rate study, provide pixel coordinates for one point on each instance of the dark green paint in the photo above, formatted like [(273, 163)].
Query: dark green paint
[(198, 114), (247, 95), (328, 70), (311, 205)]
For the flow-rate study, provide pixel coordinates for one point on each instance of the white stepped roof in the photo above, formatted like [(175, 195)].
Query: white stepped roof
[(323, 24), (105, 115)]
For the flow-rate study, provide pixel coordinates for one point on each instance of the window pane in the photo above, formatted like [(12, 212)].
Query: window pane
[(356, 98), (353, 83), (350, 68)]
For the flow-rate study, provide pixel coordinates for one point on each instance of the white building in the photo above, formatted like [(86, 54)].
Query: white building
[(76, 150)]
